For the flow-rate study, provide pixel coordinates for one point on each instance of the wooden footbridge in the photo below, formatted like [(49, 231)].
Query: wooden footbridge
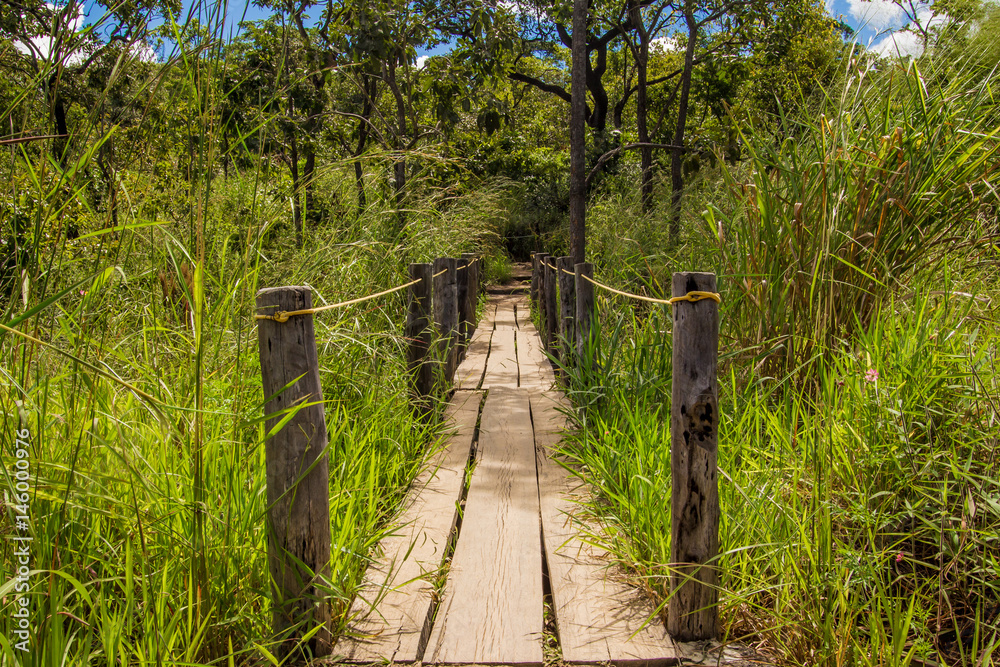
[(490, 525)]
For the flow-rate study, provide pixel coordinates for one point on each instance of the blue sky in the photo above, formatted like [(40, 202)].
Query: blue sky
[(874, 20)]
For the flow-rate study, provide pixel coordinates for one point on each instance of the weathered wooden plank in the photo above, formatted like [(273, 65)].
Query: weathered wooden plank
[(596, 614), (399, 583), (533, 366), (470, 372), (492, 607), (501, 367), (505, 318)]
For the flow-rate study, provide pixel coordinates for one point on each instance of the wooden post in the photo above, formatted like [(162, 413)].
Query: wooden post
[(551, 310), (567, 309), (446, 316), (694, 440), (533, 292), (462, 303), (298, 531), (419, 335), (542, 257), (585, 321), (471, 295)]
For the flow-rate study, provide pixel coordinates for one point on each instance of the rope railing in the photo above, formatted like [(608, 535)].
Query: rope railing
[(283, 315), (693, 296)]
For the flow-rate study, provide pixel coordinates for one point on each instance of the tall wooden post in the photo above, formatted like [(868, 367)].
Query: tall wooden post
[(585, 321), (541, 257), (551, 309), (446, 316), (533, 292), (298, 535), (694, 440), (419, 335), (463, 304), (567, 309)]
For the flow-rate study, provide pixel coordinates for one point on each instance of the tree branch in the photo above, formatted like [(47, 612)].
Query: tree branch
[(627, 147)]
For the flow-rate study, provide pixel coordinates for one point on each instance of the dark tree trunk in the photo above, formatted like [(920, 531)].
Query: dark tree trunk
[(641, 110), (577, 135), (293, 166), (399, 169), (61, 141), (308, 182), (677, 155)]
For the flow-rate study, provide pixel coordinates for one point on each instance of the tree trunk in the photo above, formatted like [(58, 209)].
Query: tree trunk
[(308, 181), (399, 169), (677, 155), (577, 135), (641, 110)]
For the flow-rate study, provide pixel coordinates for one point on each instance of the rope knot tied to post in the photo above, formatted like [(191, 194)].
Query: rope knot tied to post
[(695, 296)]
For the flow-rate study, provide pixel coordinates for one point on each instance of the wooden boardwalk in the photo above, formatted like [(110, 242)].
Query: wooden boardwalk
[(478, 600)]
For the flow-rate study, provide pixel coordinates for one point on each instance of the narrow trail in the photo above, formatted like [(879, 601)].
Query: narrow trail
[(487, 530)]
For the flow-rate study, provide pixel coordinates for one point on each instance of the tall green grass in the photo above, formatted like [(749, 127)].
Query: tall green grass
[(147, 493), (859, 524)]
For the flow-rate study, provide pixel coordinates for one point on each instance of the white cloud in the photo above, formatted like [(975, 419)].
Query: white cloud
[(899, 44), (43, 44), (877, 14), (664, 45), (421, 61)]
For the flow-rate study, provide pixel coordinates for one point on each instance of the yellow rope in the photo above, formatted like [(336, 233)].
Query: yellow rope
[(283, 315), (690, 296), (696, 296)]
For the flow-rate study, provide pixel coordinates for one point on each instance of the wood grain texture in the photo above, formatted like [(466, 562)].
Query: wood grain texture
[(419, 335), (505, 317), (501, 367), (469, 374), (567, 310), (492, 607), (446, 315), (596, 613), (400, 580), (551, 336), (585, 309), (298, 521), (694, 443), (534, 367)]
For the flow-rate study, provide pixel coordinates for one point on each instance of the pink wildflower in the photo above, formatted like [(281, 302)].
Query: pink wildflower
[(871, 375), (899, 557)]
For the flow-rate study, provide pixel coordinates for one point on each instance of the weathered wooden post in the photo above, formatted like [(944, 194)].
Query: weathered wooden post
[(446, 315), (551, 307), (585, 321), (298, 530), (463, 305), (533, 292), (567, 309), (541, 257), (419, 335), (694, 440)]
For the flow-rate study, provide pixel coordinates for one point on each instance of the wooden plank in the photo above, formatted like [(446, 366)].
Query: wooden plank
[(501, 367), (596, 613), (523, 311), (505, 318), (469, 374), (492, 607), (534, 368), (400, 581)]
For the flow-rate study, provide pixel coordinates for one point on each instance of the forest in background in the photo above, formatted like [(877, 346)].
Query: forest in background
[(847, 201)]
